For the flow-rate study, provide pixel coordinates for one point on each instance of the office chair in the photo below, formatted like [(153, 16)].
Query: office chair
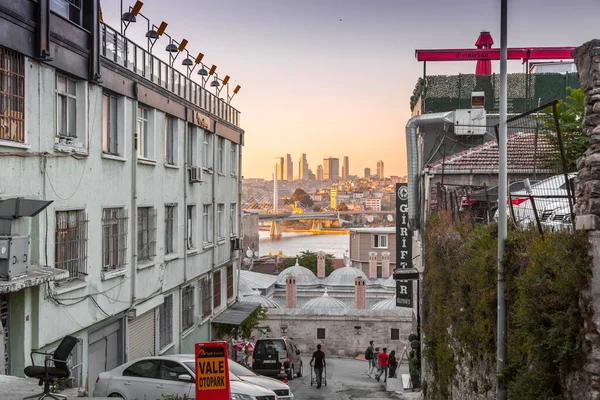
[(47, 373)]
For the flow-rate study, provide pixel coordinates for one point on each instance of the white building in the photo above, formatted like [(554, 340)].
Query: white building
[(137, 252), (373, 203)]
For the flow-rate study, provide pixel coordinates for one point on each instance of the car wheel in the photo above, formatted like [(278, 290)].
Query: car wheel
[(115, 395), (301, 370), (291, 374)]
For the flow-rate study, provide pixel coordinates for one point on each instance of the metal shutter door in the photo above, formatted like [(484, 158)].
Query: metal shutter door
[(142, 335)]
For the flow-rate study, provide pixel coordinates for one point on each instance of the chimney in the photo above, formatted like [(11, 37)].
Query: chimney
[(385, 264), (360, 293), (372, 264), (290, 291), (321, 264)]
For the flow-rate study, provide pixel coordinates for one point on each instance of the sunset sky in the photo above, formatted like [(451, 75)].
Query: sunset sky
[(334, 77)]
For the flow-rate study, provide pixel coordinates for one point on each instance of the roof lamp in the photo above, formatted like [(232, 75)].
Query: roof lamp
[(136, 8), (212, 70), (237, 89), (161, 28), (199, 58), (171, 48), (226, 80), (187, 62), (203, 72), (152, 34), (128, 17), (215, 83)]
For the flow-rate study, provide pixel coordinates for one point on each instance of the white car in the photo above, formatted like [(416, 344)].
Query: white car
[(281, 389), (154, 378), (560, 219)]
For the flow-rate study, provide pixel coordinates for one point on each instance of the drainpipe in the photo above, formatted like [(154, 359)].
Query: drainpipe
[(134, 219), (185, 229), (215, 227), (413, 160), (239, 214)]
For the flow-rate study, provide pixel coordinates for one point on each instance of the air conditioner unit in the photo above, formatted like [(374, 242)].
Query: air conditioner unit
[(236, 243), (196, 174), (471, 122)]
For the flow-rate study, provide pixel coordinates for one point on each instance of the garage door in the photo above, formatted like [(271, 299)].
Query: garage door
[(141, 335), (103, 352)]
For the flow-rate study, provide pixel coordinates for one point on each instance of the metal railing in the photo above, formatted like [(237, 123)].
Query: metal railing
[(121, 50)]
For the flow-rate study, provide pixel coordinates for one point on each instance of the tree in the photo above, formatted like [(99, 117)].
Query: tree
[(342, 207), (243, 330), (570, 114), (317, 208), (303, 197), (308, 259)]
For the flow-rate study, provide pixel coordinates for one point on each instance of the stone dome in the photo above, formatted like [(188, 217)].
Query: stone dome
[(390, 282), (345, 276), (262, 300), (304, 276), (325, 302), (388, 304)]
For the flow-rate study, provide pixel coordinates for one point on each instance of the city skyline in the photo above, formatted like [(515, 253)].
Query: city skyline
[(303, 171)]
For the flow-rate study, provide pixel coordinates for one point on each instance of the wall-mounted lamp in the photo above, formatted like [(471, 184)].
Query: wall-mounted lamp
[(357, 329), (284, 328), (130, 16), (235, 91)]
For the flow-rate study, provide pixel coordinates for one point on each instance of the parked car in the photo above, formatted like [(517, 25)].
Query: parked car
[(281, 389), (157, 377), (560, 219), (480, 201), (271, 353)]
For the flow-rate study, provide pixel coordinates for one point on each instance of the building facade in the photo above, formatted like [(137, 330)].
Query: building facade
[(367, 172), (373, 250), (346, 168), (331, 168), (320, 175), (137, 250), (303, 171), (288, 168), (380, 172)]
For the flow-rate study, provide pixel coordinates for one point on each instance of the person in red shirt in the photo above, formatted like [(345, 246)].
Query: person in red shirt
[(383, 365)]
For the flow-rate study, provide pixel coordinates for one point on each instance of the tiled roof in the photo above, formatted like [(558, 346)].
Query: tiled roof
[(522, 155)]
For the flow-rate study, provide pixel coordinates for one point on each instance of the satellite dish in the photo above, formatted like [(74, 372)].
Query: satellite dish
[(249, 253), (390, 218), (256, 254), (370, 218), (247, 261)]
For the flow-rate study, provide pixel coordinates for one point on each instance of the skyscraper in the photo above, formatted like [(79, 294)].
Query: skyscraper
[(288, 168), (331, 168), (380, 174), (367, 172), (346, 168), (303, 168), (280, 169), (320, 173)]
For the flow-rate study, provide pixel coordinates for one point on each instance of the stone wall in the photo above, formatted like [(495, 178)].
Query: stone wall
[(586, 383)]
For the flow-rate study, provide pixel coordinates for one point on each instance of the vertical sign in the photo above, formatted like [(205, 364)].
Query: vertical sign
[(212, 371), (404, 289), (403, 235)]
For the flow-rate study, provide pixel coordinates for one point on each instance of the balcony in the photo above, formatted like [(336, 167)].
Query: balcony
[(122, 51)]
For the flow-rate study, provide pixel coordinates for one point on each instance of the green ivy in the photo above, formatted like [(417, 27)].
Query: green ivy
[(544, 279)]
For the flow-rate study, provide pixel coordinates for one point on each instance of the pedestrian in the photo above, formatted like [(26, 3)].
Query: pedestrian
[(383, 365), (370, 357), (392, 364), (319, 363)]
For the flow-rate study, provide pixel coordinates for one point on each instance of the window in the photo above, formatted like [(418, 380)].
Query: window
[(69, 9), (234, 159), (143, 369), (12, 96), (71, 242), (192, 146), (205, 296), (380, 241), (170, 370), (165, 316), (170, 141), (146, 235), (207, 223), (207, 151), (217, 289), (114, 238), (191, 219), (66, 107), (320, 333), (187, 319), (395, 334), (170, 228), (110, 136), (233, 218), (143, 133), (221, 144), (220, 222), (229, 281)]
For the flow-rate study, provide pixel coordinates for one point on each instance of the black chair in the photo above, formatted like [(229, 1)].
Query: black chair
[(47, 373)]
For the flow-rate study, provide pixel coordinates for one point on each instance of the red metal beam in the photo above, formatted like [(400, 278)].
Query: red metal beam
[(524, 54)]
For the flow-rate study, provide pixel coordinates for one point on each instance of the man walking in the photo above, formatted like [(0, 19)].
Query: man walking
[(319, 362), (383, 365), (370, 357)]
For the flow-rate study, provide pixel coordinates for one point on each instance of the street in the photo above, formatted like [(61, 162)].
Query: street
[(346, 380)]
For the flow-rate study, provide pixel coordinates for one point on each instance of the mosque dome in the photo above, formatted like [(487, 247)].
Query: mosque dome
[(262, 300), (325, 302), (387, 304), (390, 282), (345, 276), (304, 276)]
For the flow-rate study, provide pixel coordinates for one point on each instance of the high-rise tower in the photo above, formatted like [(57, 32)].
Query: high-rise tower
[(346, 168), (380, 174), (288, 168), (331, 168)]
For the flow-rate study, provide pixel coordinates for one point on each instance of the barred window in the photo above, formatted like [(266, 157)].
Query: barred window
[(205, 296), (169, 228), (146, 235), (395, 334), (191, 222), (320, 333), (110, 133), (220, 155), (165, 315), (12, 96), (170, 142), (217, 289), (187, 319), (114, 238), (229, 281), (207, 231), (71, 242), (233, 218), (220, 220)]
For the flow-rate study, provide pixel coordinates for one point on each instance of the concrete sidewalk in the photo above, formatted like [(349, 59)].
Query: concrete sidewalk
[(14, 388)]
